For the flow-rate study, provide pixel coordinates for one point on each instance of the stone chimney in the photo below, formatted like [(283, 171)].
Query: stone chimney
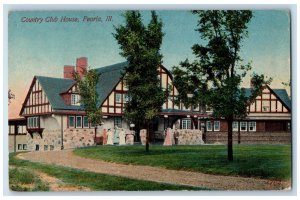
[(68, 71), (81, 66)]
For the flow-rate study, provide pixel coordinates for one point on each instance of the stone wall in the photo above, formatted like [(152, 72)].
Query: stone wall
[(249, 137), (20, 140), (188, 137)]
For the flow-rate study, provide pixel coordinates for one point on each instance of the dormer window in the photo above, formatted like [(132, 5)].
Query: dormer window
[(75, 99)]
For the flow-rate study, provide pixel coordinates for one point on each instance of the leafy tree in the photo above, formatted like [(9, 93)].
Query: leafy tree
[(10, 96), (89, 96), (140, 45), (215, 77)]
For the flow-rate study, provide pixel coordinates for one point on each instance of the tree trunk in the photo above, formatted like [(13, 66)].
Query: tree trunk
[(95, 135), (147, 137), (229, 143)]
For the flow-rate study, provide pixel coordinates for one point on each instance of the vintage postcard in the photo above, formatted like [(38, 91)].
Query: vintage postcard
[(141, 100)]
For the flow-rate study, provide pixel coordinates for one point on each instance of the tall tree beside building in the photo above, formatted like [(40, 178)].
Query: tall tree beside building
[(87, 89), (215, 77), (140, 45)]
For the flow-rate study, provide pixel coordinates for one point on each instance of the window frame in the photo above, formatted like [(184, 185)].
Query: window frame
[(209, 122), (217, 122), (83, 122), (186, 123), (77, 117), (20, 147), (69, 124), (235, 128), (115, 121), (75, 100), (250, 122), (241, 125), (24, 146), (119, 98)]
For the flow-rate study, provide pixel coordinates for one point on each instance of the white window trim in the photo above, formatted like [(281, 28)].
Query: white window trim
[(254, 130), (117, 118), (187, 124), (241, 126), (215, 122), (237, 128), (75, 99), (76, 121), (207, 126)]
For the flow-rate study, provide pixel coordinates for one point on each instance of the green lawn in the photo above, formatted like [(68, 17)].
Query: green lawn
[(262, 161), (94, 181)]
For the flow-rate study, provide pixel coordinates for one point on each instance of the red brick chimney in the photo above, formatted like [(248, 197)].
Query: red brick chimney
[(68, 71), (81, 66)]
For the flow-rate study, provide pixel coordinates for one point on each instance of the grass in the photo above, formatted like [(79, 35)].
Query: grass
[(261, 161), (21, 179), (94, 181)]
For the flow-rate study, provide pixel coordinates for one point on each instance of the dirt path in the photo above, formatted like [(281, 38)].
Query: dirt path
[(68, 159)]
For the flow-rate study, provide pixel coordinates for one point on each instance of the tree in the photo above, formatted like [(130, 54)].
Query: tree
[(215, 77), (10, 96), (140, 45), (88, 96)]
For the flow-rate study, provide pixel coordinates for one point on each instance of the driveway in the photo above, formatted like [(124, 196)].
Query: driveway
[(157, 174)]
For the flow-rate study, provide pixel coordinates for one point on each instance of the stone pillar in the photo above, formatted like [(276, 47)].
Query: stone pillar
[(143, 134), (104, 137), (130, 138), (168, 139)]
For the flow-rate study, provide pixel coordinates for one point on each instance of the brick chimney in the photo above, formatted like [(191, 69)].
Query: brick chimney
[(68, 71), (81, 65)]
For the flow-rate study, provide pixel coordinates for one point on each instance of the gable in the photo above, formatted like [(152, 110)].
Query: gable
[(36, 101), (270, 101)]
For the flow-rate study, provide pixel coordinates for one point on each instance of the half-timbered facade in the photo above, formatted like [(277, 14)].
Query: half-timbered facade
[(56, 120)]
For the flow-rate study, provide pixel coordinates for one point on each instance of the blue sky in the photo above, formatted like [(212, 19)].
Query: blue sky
[(43, 48)]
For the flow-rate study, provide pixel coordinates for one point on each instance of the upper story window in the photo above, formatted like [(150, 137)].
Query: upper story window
[(33, 122), (265, 106), (75, 99), (118, 98)]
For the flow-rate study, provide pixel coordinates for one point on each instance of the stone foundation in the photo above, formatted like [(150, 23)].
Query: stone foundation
[(249, 137)]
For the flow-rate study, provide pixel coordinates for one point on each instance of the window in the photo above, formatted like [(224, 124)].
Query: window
[(266, 106), (125, 98), (85, 122), (33, 122), (216, 125), (51, 147), (252, 126), (243, 126), (20, 146), (75, 99), (37, 147), (235, 126), (78, 122), (186, 123), (24, 146), (289, 126), (208, 126), (118, 122), (45, 147), (118, 97), (71, 121)]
